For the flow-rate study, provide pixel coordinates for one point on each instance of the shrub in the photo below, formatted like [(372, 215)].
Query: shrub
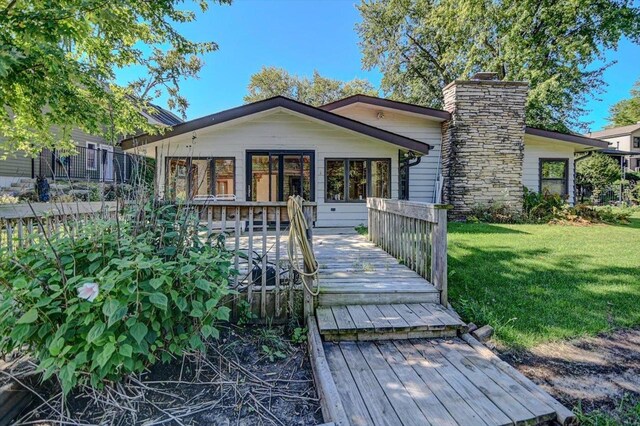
[(494, 213), (114, 298), (541, 206)]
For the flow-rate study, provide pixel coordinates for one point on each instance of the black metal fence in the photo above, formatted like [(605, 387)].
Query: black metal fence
[(93, 164)]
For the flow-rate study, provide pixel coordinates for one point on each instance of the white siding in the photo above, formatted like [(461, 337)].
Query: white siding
[(421, 177), (537, 148), (284, 130)]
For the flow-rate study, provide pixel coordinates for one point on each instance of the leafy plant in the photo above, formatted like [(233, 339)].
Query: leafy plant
[(8, 199), (362, 229), (115, 297), (299, 335), (272, 354)]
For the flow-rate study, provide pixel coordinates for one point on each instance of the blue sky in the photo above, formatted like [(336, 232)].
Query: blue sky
[(303, 35)]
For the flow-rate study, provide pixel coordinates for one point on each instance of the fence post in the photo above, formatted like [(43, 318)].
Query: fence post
[(439, 253)]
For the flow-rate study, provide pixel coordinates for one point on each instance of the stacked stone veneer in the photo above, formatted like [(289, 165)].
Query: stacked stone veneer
[(483, 144)]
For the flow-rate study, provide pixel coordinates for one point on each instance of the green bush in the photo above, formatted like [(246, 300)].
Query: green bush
[(159, 291), (541, 206)]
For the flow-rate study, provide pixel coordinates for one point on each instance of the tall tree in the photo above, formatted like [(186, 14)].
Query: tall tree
[(627, 111), (58, 64), (317, 90), (421, 45)]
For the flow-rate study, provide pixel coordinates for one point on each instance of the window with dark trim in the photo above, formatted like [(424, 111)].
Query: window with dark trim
[(199, 176), (352, 180), (91, 156), (554, 176), (636, 141)]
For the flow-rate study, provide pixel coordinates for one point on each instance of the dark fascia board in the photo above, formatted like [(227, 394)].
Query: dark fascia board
[(566, 137), (281, 101), (387, 103)]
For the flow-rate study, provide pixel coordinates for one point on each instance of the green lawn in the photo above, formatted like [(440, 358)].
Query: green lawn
[(536, 283)]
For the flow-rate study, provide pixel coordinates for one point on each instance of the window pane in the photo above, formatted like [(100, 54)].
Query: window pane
[(554, 169), (357, 180), (553, 186), (306, 178), (176, 186), (200, 177), (292, 184), (225, 177), (260, 178), (335, 180), (381, 178)]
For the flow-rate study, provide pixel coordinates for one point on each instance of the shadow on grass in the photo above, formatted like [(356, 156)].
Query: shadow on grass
[(531, 296), (481, 228)]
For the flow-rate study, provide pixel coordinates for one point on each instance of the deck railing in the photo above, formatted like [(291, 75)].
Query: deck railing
[(23, 224), (257, 234), (92, 164), (416, 234)]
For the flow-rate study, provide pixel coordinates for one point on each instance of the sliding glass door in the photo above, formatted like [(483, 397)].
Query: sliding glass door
[(276, 175)]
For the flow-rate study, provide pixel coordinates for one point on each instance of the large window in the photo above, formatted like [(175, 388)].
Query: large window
[(353, 180), (277, 175), (554, 176), (199, 177)]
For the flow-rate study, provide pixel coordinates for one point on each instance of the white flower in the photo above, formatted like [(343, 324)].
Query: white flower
[(89, 291)]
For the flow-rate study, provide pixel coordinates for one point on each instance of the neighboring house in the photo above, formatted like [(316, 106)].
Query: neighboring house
[(625, 141), (476, 151), (96, 159)]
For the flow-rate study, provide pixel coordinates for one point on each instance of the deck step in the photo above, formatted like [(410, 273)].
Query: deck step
[(387, 321), (364, 291)]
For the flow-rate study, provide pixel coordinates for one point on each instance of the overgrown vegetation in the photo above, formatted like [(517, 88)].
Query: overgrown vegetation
[(114, 297), (535, 283), (544, 207)]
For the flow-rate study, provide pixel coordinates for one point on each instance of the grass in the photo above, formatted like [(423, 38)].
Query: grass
[(626, 412), (538, 283)]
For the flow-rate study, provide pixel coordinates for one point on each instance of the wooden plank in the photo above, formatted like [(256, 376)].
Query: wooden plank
[(343, 319), (509, 396), (462, 385), (430, 405), (391, 315), (360, 318), (443, 314), (277, 243), (376, 298), (502, 398), (439, 255), (380, 323), (408, 315), (326, 321), (427, 319), (355, 407), (330, 401), (534, 399), (401, 399), (459, 409), (380, 409), (263, 300)]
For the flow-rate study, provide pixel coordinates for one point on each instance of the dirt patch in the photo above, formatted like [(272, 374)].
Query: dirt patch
[(251, 376), (595, 373)]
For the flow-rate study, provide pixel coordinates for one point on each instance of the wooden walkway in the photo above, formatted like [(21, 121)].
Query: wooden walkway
[(384, 350)]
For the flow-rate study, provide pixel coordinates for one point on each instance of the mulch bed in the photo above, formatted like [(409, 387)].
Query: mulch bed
[(592, 373), (251, 376)]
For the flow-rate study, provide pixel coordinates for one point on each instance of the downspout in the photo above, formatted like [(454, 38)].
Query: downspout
[(405, 164)]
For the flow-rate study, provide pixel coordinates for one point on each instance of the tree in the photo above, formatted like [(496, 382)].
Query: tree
[(422, 45), (318, 90), (627, 111), (597, 172), (58, 63)]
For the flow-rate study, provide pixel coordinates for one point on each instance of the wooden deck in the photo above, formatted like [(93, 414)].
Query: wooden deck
[(384, 350), (356, 271), (392, 321)]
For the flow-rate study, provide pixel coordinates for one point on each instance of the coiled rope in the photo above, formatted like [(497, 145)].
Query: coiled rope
[(301, 255)]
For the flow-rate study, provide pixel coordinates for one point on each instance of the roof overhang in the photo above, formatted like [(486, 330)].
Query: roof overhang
[(437, 114), (286, 103), (567, 137)]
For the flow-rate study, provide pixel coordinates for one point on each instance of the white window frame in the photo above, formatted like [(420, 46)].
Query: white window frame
[(95, 158)]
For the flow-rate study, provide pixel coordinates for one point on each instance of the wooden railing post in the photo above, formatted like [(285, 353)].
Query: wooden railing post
[(308, 308), (439, 253)]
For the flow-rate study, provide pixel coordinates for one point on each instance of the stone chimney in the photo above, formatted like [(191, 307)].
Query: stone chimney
[(483, 143)]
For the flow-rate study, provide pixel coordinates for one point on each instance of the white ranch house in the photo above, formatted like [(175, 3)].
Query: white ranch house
[(476, 151)]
